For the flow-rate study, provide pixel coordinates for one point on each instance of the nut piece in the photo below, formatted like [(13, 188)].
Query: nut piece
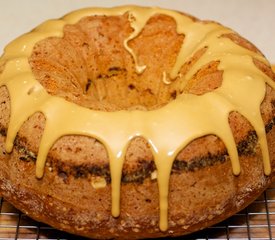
[(154, 175), (98, 182)]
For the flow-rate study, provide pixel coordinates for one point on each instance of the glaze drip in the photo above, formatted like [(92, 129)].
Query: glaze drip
[(180, 121)]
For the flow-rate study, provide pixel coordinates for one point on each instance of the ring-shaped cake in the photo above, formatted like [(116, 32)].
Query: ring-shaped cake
[(134, 122)]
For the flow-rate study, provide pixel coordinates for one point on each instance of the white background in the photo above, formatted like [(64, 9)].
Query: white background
[(253, 19)]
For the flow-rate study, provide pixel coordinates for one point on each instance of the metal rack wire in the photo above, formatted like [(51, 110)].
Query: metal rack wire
[(256, 222)]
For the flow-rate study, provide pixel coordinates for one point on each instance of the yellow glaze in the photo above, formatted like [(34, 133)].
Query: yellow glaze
[(168, 129)]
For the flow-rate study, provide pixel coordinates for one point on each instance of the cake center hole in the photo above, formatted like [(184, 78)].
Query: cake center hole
[(90, 66)]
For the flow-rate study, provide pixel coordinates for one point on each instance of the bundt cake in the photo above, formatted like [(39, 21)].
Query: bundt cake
[(134, 122)]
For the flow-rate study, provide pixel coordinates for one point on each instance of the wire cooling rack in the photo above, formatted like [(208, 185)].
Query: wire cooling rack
[(257, 221)]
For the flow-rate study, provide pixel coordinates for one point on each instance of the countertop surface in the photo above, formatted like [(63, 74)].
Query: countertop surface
[(253, 19)]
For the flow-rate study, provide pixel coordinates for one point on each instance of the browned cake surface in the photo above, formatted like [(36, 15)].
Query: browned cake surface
[(90, 67)]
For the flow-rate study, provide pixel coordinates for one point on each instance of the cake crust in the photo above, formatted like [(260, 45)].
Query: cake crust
[(208, 199)]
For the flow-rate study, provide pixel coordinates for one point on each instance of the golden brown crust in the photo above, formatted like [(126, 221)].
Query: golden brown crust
[(198, 197), (210, 194)]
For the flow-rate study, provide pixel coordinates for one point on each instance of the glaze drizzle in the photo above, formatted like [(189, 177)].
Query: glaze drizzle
[(180, 121)]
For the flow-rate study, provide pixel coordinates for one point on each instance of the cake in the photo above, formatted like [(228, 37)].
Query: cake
[(134, 122)]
